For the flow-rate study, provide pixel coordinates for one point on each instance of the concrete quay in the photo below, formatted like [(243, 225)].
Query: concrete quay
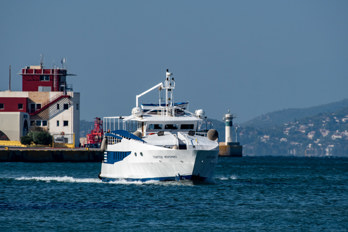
[(50, 155)]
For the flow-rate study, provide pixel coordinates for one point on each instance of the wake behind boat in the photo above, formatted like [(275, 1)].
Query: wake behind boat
[(160, 141)]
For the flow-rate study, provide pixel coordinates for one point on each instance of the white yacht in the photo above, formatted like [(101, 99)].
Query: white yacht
[(162, 141)]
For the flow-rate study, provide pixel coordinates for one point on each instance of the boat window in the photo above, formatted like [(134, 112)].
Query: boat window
[(187, 126), (155, 126), (171, 127)]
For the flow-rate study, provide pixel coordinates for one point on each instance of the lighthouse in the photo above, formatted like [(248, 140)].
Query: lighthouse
[(228, 128), (230, 148)]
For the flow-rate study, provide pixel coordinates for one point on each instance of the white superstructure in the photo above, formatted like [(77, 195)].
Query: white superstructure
[(161, 141)]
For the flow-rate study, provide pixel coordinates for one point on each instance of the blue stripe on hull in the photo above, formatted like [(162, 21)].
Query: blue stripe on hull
[(169, 178), (111, 157)]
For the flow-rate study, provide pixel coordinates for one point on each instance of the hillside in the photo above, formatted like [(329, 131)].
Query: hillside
[(323, 134), (280, 117)]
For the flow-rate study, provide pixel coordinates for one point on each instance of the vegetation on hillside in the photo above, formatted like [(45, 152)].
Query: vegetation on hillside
[(325, 134)]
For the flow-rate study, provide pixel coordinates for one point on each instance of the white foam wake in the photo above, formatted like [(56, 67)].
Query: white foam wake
[(60, 179), (69, 179), (232, 177)]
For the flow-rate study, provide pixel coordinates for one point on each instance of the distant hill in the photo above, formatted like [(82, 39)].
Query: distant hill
[(280, 117), (220, 127), (322, 134)]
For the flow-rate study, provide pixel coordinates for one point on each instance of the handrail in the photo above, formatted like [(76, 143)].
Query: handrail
[(127, 135)]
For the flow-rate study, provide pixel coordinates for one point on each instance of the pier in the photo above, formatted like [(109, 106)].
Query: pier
[(50, 155)]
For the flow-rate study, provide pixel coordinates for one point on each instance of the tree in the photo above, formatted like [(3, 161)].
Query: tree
[(26, 140), (41, 137)]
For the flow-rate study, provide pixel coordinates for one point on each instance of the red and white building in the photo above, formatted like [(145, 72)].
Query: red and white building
[(46, 101)]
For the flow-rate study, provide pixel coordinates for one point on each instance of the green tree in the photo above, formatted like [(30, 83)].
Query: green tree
[(41, 137), (26, 140)]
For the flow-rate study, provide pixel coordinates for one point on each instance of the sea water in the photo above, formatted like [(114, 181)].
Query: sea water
[(247, 194)]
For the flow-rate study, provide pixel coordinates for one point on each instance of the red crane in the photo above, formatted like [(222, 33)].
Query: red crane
[(94, 139)]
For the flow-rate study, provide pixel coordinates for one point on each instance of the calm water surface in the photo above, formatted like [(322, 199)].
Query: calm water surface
[(248, 194)]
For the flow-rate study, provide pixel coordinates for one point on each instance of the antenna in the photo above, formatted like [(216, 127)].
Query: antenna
[(41, 60), (9, 77), (63, 61)]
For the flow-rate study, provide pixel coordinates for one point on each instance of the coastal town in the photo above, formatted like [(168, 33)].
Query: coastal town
[(325, 134)]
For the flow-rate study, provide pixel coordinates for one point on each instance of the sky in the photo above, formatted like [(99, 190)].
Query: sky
[(250, 57)]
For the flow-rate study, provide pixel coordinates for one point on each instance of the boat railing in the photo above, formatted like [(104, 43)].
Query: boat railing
[(113, 123), (127, 135), (116, 136), (112, 138), (119, 123)]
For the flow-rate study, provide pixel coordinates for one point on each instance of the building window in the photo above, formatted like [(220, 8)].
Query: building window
[(44, 78), (57, 106), (38, 106), (32, 123), (38, 122), (20, 106), (32, 108), (57, 122), (2, 106), (77, 106), (66, 106), (65, 123), (44, 123)]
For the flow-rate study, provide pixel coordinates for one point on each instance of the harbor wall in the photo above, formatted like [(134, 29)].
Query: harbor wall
[(51, 155), (78, 155), (233, 149)]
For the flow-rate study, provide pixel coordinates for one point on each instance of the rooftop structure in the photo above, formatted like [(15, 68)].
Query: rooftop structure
[(46, 102)]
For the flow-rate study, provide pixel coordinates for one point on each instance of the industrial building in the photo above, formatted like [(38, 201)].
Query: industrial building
[(46, 101)]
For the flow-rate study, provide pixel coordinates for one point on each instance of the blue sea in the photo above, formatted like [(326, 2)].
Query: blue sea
[(247, 194)]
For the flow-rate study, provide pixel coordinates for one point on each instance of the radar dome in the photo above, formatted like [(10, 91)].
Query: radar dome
[(200, 113), (136, 111)]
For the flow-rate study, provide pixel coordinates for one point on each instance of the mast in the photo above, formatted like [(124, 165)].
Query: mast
[(169, 86)]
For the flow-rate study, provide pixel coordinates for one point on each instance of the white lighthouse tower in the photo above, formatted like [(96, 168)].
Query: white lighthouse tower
[(228, 128), (230, 148)]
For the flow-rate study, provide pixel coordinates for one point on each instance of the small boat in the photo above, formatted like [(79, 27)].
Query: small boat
[(161, 141)]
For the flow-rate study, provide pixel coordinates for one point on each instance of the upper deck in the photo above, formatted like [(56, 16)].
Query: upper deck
[(164, 116)]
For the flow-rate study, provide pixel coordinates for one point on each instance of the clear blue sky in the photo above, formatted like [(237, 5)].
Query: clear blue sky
[(251, 57)]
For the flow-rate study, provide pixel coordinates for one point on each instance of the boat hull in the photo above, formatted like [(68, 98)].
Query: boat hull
[(161, 165)]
